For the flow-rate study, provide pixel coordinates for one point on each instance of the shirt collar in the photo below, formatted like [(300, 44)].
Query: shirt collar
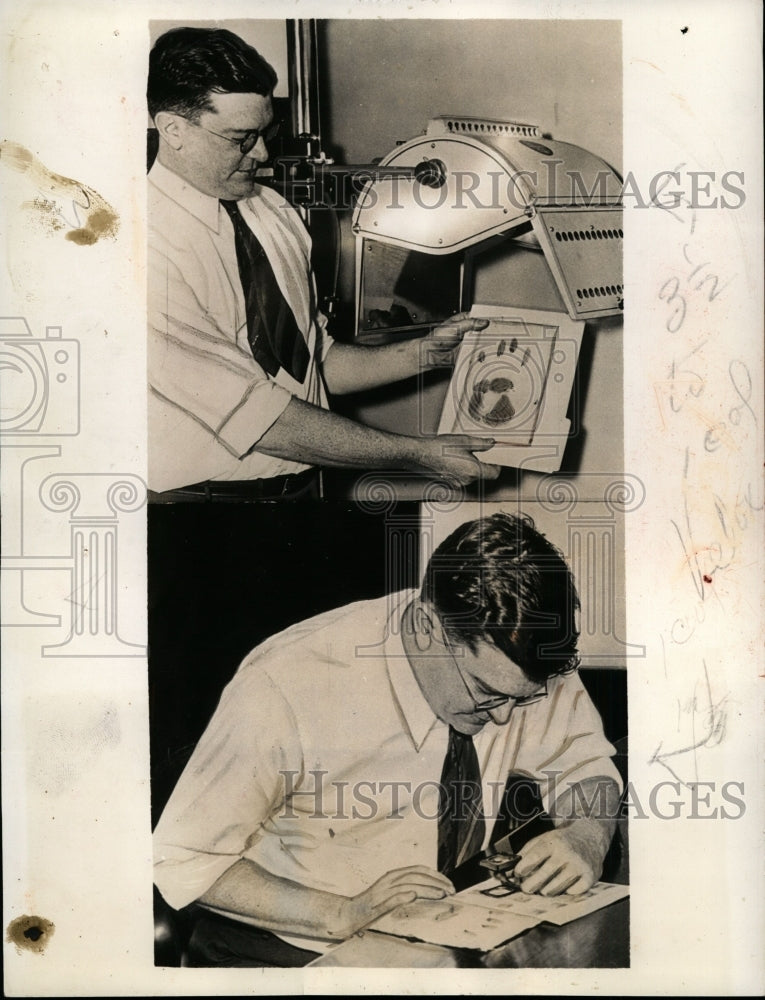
[(202, 206), (413, 706)]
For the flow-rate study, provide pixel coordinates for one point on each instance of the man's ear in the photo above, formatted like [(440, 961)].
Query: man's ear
[(170, 128), (425, 625)]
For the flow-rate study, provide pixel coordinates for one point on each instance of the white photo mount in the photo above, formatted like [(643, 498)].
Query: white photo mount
[(512, 382)]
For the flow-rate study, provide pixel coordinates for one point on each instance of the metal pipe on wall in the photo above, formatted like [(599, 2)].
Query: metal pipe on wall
[(303, 77)]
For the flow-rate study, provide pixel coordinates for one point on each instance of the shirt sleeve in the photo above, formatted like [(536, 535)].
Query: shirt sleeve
[(324, 338), (560, 740), (200, 369), (232, 784)]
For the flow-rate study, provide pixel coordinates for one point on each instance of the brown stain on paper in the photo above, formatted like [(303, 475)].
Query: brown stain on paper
[(30, 933), (60, 202)]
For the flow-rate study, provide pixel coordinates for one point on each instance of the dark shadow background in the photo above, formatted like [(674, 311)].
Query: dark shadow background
[(224, 577)]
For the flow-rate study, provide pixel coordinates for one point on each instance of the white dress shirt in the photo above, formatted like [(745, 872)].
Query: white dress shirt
[(209, 400), (322, 761)]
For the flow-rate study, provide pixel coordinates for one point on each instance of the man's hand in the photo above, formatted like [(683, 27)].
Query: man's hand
[(440, 347), (358, 367), (568, 859), (450, 456), (402, 885)]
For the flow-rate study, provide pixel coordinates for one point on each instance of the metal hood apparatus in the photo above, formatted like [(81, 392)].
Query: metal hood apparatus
[(471, 179), (464, 187)]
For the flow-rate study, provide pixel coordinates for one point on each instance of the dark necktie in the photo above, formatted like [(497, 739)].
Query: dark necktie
[(274, 336), (460, 818)]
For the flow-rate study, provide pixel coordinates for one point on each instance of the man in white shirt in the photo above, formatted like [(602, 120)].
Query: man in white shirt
[(223, 405), (314, 802)]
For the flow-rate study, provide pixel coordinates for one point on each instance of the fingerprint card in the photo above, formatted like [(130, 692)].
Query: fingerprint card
[(500, 380)]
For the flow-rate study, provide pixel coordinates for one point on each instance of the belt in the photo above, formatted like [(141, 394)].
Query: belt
[(294, 486)]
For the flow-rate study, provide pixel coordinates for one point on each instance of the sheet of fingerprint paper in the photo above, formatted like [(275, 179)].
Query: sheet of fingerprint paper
[(552, 909), (455, 923), (472, 919)]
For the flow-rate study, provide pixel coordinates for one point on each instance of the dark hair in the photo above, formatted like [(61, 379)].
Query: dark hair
[(186, 65), (499, 579)]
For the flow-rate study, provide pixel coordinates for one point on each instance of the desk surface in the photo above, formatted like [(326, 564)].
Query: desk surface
[(599, 940)]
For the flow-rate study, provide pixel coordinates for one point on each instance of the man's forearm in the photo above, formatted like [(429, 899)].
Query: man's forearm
[(356, 368), (593, 805), (309, 434), (276, 904), (280, 905)]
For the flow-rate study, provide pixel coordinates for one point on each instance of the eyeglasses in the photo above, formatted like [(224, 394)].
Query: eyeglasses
[(250, 140), (499, 700), (502, 699)]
